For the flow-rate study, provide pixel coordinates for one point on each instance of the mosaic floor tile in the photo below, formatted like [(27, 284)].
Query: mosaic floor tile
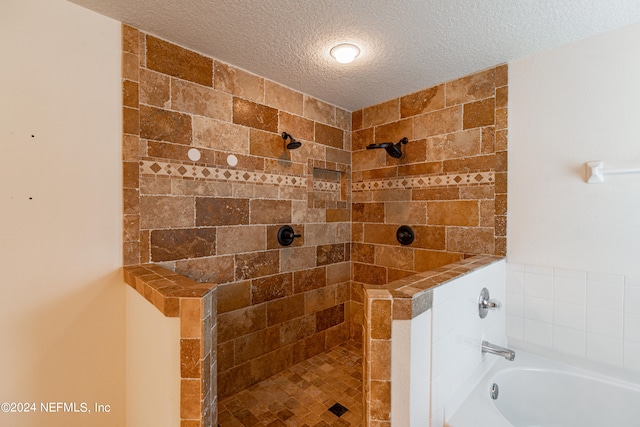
[(303, 395)]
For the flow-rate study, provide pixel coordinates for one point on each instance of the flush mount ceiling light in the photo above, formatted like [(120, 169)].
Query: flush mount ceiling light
[(345, 53)]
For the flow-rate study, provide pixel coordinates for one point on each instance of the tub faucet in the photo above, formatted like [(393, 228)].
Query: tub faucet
[(487, 347)]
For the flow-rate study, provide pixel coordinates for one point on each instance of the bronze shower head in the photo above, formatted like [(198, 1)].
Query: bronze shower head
[(394, 150), (293, 144)]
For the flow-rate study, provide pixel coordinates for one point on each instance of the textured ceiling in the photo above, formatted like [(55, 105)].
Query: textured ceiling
[(407, 45)]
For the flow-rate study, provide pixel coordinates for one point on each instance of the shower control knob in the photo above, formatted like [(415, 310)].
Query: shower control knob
[(485, 303), (286, 235), (405, 235)]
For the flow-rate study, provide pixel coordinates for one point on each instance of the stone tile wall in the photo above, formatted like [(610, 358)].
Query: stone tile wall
[(449, 186), (216, 223)]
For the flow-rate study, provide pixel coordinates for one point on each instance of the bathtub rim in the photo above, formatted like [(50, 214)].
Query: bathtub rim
[(591, 366), (525, 359)]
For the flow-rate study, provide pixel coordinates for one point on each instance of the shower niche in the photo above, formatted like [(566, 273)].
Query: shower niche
[(328, 187)]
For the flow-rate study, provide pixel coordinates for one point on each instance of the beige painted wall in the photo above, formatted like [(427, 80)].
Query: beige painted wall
[(567, 106), (153, 365), (62, 300)]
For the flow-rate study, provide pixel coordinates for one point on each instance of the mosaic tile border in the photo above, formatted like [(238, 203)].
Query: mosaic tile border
[(326, 186), (456, 179), (152, 167)]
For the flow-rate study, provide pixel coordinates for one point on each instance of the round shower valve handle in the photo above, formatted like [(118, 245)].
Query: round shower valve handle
[(286, 235), (485, 303), (405, 235)]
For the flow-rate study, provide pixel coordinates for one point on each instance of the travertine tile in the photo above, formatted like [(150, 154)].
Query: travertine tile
[(130, 67), (437, 122), (363, 253), (266, 144), (283, 309), (155, 88), (241, 322), (471, 88), (502, 75), (361, 138), (370, 274), (470, 164), (356, 120), (239, 239), (174, 244), (405, 213), (130, 39), (164, 125), (502, 118), (307, 280), (429, 237), (190, 357), (480, 113), (220, 135), (380, 359), (329, 317), (462, 212), (233, 296), (166, 212), (329, 135), (297, 258), (217, 269), (256, 264), (394, 132), (200, 100), (272, 287), (319, 111), (343, 119), (270, 211), (394, 257), (130, 93), (422, 102), (212, 211), (330, 254), (168, 58), (381, 113), (255, 115), (299, 128), (190, 399), (283, 98), (454, 145), (130, 121), (470, 240), (238, 82)]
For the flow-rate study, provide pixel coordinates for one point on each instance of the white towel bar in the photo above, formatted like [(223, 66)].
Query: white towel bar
[(596, 173)]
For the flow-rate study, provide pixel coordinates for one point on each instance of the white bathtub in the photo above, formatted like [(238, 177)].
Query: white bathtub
[(538, 392)]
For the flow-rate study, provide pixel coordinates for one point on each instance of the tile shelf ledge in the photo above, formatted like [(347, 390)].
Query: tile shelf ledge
[(163, 288), (413, 295)]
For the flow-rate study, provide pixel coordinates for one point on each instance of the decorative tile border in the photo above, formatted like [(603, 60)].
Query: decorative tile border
[(456, 179), (151, 167), (326, 186)]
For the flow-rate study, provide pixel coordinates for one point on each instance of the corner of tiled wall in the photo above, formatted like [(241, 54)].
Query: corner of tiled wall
[(581, 314), (216, 222), (450, 185)]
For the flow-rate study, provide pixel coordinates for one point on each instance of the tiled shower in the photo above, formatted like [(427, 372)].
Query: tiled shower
[(215, 221)]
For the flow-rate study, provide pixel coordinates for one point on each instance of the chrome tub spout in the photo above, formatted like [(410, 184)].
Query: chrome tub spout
[(487, 347)]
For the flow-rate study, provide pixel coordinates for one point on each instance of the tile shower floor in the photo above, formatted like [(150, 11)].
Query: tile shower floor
[(313, 393)]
